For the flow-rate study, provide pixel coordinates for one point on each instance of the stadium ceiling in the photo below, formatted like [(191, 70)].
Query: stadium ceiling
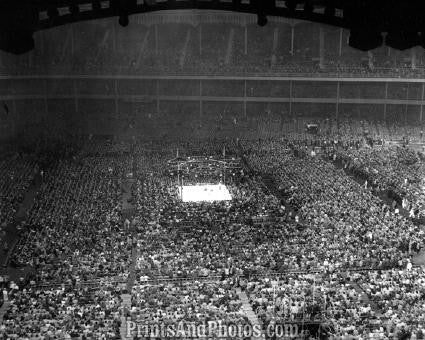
[(399, 23)]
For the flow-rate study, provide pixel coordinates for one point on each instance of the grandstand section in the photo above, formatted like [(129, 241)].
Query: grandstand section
[(169, 65), (110, 104)]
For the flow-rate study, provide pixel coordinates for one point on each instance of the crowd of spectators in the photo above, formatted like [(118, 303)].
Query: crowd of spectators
[(332, 217), (351, 217), (393, 169), (193, 303), (399, 298), (64, 313), (330, 252), (166, 64), (333, 202), (73, 231), (361, 305), (16, 174), (203, 242)]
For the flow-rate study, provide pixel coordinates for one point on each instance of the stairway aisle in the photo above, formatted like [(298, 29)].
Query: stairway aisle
[(268, 183), (12, 234), (126, 298), (365, 298), (126, 305), (3, 310), (249, 312), (132, 269)]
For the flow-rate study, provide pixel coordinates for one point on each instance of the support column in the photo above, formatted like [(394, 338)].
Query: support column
[(44, 51), (321, 48), (407, 102), (75, 96), (65, 47), (200, 40), (422, 102), (414, 58), (72, 40), (341, 34), (157, 98), (114, 37), (290, 98), (386, 99), (338, 88), (16, 116), (201, 108), (246, 40), (46, 104), (370, 60), (292, 39), (275, 45), (116, 97), (244, 100), (156, 39)]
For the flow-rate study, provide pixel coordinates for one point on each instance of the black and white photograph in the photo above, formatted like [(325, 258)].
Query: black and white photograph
[(212, 170)]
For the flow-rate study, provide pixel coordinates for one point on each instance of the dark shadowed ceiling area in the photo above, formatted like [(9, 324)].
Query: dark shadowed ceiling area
[(398, 24)]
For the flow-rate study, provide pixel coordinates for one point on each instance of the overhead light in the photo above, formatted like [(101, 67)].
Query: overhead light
[(123, 20), (264, 7), (262, 20), (17, 41)]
